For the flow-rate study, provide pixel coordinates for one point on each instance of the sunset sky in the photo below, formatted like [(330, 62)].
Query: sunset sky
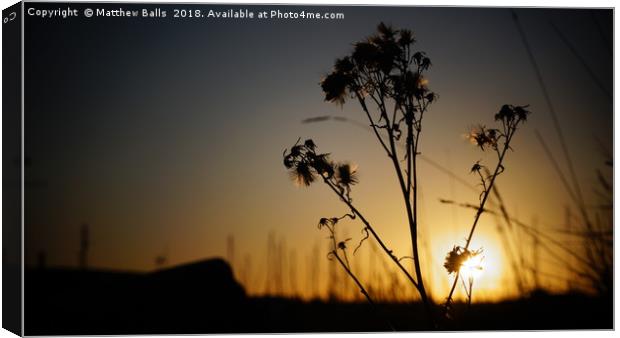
[(166, 137)]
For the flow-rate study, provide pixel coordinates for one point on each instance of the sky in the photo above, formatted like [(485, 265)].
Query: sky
[(166, 136)]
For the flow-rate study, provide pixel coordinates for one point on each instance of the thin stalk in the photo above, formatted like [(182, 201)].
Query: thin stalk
[(506, 242), (372, 232), (345, 265), (415, 170), (414, 231), (545, 238), (393, 155), (481, 209), (471, 291), (361, 287), (412, 228), (556, 123), (583, 62)]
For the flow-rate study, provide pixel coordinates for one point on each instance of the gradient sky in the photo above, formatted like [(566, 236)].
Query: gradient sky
[(166, 136)]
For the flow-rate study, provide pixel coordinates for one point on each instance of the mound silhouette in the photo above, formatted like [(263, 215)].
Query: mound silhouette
[(191, 298)]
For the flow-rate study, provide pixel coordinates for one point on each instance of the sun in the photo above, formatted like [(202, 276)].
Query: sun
[(473, 267)]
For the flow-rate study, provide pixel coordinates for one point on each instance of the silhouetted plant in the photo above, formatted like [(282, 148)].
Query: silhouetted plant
[(386, 77), (456, 260), (330, 225), (498, 140)]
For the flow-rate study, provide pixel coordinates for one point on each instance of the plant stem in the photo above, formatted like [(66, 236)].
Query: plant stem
[(481, 209), (361, 287), (471, 291), (414, 238), (372, 232), (389, 252), (405, 189)]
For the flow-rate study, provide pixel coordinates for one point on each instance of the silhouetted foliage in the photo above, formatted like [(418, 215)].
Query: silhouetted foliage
[(510, 117), (386, 76)]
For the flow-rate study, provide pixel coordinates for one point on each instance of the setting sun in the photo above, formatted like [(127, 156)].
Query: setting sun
[(473, 267)]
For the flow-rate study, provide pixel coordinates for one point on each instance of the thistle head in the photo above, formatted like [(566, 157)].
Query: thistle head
[(457, 257), (346, 175), (305, 164)]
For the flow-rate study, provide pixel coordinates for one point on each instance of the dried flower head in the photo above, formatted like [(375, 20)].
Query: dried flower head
[(387, 52), (512, 114), (335, 85), (310, 144), (456, 257), (304, 164), (302, 174), (478, 136), (342, 245), (476, 167), (322, 165), (346, 175)]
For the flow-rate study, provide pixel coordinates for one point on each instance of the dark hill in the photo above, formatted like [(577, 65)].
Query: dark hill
[(189, 298)]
